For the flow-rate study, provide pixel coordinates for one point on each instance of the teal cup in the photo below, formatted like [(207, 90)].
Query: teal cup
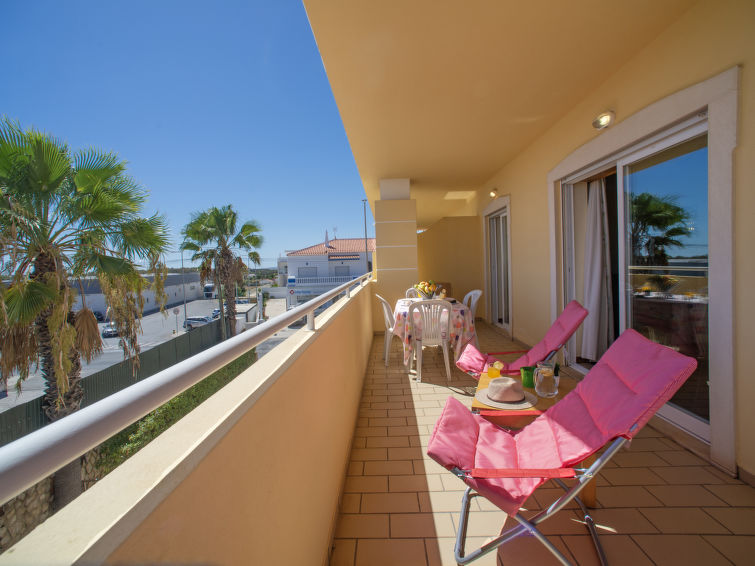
[(528, 376)]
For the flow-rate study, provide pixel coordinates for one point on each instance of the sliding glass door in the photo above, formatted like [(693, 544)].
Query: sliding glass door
[(665, 262), (499, 267), (655, 207)]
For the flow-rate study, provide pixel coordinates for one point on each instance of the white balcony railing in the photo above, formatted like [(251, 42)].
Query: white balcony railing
[(27, 460), (304, 281)]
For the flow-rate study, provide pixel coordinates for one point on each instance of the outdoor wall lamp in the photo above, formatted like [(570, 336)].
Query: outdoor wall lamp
[(493, 193), (604, 120)]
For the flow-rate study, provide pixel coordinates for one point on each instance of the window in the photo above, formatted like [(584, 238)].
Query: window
[(307, 272)]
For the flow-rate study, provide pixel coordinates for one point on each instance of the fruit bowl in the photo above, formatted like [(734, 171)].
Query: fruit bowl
[(429, 290)]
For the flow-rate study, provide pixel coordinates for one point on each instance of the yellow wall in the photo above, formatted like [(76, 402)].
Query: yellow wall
[(450, 251), (251, 476), (268, 492), (708, 39), (396, 243)]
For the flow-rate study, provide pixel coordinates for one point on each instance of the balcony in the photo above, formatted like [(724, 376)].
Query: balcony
[(316, 455), (319, 281)]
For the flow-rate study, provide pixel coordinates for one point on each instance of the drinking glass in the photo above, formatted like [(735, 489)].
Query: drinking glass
[(546, 380)]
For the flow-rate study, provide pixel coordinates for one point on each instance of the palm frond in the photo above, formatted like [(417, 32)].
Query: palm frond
[(94, 167), (88, 341), (113, 266), (142, 237), (25, 299)]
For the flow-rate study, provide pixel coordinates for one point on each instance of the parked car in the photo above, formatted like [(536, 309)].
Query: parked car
[(109, 331), (196, 321), (99, 316), (216, 313)]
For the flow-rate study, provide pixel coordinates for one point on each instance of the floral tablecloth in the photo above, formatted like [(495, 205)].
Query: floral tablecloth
[(462, 327)]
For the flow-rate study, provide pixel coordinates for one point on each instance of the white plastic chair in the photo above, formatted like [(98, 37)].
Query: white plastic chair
[(390, 322), (412, 293), (470, 299), (435, 318)]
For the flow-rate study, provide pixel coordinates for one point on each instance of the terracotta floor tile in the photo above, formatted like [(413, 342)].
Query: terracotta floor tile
[(683, 520), (686, 475), (647, 444), (344, 552), (632, 476), (620, 521), (723, 476), (673, 550), (366, 484), (680, 458), (626, 496), (402, 413), (684, 495), (626, 459), (411, 453), (484, 523), (739, 520), (391, 516), (441, 501), (356, 468), (546, 496), (387, 442), (735, 495), (369, 454), (350, 502), (415, 483), (739, 549), (440, 552), (424, 525), (371, 431), (527, 550), (620, 550), (565, 522), (408, 430), (390, 503), (387, 421), (386, 405), (396, 552), (363, 526), (391, 467)]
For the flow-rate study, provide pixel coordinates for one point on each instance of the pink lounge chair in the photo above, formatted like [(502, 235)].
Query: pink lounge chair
[(632, 380), (474, 362)]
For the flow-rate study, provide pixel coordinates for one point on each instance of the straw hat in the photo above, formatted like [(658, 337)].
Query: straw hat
[(506, 393)]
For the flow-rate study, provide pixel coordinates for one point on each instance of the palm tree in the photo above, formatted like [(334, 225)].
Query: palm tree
[(210, 235), (657, 223), (63, 216)]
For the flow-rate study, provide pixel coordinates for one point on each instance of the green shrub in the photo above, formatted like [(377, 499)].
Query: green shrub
[(118, 448)]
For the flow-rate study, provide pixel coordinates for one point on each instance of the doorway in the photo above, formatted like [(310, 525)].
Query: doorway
[(636, 256), (498, 258)]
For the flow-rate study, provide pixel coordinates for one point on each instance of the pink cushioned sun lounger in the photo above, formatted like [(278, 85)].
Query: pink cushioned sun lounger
[(632, 380), (475, 362)]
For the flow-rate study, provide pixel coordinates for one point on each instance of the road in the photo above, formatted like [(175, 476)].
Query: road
[(156, 329)]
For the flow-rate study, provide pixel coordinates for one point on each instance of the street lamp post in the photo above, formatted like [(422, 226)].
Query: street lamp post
[(183, 283), (366, 261)]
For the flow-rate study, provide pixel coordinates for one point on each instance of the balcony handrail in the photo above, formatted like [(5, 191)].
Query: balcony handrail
[(33, 457), (324, 279), (668, 268)]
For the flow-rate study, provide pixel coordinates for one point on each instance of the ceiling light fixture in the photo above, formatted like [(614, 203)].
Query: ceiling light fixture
[(604, 120), (493, 193)]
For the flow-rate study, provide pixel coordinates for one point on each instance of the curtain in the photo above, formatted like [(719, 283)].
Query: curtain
[(597, 329)]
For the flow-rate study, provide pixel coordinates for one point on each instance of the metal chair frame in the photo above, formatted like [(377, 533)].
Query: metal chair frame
[(529, 526)]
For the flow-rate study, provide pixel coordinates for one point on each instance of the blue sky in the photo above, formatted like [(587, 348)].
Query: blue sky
[(211, 103), (685, 177)]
